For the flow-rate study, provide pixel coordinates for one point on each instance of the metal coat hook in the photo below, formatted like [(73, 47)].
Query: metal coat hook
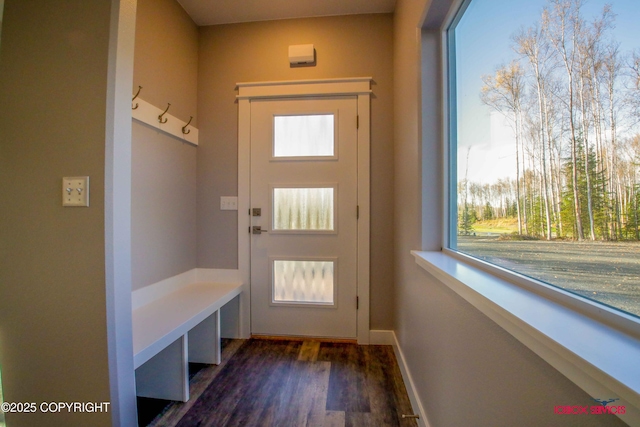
[(134, 98), (165, 112), (184, 128)]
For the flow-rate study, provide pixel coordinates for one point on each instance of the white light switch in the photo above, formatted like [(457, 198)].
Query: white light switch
[(228, 203), (75, 191)]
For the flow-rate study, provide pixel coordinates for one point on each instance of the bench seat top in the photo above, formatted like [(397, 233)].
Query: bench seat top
[(162, 321)]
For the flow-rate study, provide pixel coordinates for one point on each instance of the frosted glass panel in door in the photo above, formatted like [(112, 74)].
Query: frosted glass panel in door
[(303, 281), (309, 209), (303, 136)]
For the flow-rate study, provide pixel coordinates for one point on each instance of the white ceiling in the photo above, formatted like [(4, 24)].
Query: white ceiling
[(213, 12)]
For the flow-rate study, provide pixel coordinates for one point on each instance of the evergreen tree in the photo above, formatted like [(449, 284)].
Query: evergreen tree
[(632, 226), (467, 218), (487, 212)]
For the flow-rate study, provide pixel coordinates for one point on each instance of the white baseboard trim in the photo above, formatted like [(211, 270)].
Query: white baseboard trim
[(381, 337), (408, 382)]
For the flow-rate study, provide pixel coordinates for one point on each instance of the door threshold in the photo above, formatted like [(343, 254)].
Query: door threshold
[(303, 338)]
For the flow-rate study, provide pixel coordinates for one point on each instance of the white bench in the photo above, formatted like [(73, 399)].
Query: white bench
[(173, 326)]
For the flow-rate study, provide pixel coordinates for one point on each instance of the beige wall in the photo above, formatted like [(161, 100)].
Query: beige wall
[(53, 98), (1, 10), (467, 370), (166, 57), (348, 46), (163, 204)]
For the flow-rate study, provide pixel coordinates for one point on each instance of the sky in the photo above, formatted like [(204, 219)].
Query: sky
[(483, 44)]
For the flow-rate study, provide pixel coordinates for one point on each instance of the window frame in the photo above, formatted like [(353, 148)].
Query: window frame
[(593, 308), (321, 185), (305, 304), (311, 158), (597, 371)]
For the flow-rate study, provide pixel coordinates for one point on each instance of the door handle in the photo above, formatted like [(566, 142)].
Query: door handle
[(257, 229)]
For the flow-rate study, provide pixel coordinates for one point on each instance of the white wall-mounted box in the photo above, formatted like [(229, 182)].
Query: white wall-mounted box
[(301, 54)]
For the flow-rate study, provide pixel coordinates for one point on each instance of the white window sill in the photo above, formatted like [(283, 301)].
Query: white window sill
[(599, 358)]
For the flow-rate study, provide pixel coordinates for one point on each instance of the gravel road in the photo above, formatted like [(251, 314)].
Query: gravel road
[(608, 272)]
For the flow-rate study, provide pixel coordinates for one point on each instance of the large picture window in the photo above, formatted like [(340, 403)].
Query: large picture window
[(545, 149)]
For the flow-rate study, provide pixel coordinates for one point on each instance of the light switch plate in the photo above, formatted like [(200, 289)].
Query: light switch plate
[(228, 203), (75, 191)]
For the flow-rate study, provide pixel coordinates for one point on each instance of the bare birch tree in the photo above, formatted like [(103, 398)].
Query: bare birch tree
[(532, 44), (561, 23), (503, 93)]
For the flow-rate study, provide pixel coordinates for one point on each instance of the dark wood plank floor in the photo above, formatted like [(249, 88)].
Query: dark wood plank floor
[(289, 383)]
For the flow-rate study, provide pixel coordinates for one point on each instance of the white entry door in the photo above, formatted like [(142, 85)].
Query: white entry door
[(304, 189)]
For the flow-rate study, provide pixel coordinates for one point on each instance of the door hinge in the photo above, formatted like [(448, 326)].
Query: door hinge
[(357, 122), (357, 303), (358, 212), (249, 231)]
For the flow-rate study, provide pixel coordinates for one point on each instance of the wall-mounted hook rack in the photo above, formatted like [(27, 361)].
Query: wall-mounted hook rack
[(165, 112), (165, 122), (184, 128), (134, 98)]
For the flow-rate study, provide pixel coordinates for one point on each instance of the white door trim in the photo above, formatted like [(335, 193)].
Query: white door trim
[(360, 87)]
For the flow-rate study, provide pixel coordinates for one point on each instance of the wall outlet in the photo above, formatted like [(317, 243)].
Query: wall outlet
[(75, 191), (228, 203)]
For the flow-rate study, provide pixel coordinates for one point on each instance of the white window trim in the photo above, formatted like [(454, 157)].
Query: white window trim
[(596, 347), (598, 357), (360, 87)]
